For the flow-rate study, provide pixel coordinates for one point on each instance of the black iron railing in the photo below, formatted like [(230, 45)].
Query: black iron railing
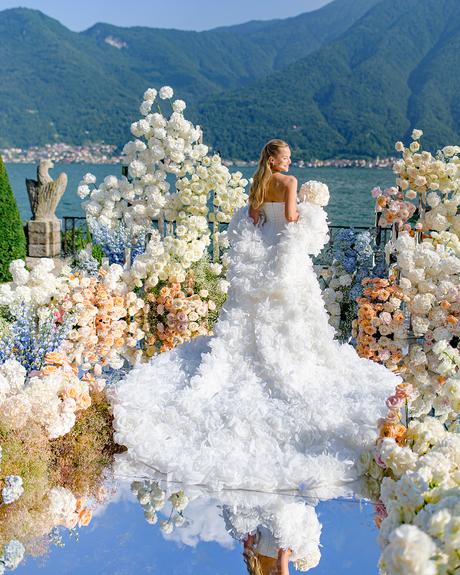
[(75, 235)]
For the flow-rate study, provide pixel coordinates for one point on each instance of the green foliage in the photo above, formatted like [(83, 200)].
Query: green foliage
[(204, 278), (392, 70), (65, 106), (347, 80), (12, 237)]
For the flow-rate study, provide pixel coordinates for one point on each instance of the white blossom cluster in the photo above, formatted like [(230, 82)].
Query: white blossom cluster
[(429, 276), (421, 533), (13, 489), (51, 400), (38, 287), (337, 281), (419, 171), (165, 145), (152, 499), (12, 555), (61, 509)]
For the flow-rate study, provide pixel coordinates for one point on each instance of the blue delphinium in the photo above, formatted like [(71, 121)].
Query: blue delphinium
[(86, 263), (32, 335), (114, 242)]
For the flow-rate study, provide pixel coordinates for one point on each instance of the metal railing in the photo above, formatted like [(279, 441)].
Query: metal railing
[(75, 234)]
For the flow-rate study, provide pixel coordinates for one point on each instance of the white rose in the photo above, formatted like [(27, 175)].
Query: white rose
[(179, 106), (166, 92)]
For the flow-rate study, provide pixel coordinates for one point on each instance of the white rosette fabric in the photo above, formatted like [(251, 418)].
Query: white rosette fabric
[(278, 521), (271, 401)]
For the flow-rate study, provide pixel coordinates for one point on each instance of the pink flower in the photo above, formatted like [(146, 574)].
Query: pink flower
[(384, 354), (182, 317), (381, 510), (393, 402), (379, 461), (376, 192), (385, 317), (392, 415)]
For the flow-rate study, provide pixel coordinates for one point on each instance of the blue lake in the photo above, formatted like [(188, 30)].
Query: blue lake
[(351, 202)]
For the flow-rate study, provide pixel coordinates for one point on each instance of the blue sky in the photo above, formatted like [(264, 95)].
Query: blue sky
[(182, 14)]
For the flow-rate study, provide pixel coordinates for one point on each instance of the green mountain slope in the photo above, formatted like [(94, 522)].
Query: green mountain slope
[(393, 69), (59, 85)]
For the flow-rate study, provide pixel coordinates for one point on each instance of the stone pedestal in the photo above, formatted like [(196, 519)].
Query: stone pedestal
[(44, 238)]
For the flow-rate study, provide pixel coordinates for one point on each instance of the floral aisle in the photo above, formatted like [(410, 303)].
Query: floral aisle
[(410, 322), (64, 336), (155, 277)]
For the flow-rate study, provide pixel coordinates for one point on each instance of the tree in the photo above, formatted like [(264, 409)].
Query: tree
[(12, 237)]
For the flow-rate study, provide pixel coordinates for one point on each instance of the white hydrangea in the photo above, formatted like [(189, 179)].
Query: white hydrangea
[(409, 552)]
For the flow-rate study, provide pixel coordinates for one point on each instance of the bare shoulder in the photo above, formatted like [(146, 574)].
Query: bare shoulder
[(285, 180)]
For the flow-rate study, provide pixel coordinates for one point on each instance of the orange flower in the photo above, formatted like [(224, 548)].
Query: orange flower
[(56, 358), (396, 431), (369, 329), (383, 294), (84, 517), (445, 304), (441, 379), (398, 316), (84, 401), (452, 319)]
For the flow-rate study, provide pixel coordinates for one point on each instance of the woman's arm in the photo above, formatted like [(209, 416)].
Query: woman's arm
[(283, 561), (290, 212), (249, 541), (254, 214)]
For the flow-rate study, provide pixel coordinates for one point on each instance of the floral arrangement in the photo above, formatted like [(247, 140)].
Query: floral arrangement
[(314, 192), (153, 499), (394, 209), (178, 221), (417, 452), (46, 484), (352, 260), (380, 329), (105, 333)]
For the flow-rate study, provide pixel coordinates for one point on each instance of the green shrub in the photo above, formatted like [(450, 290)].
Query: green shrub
[(12, 237)]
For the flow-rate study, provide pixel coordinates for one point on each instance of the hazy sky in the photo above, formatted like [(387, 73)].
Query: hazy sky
[(183, 14)]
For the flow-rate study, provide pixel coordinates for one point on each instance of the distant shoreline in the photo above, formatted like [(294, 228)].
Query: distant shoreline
[(100, 153)]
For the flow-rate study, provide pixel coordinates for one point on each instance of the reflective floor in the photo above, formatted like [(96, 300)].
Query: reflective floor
[(119, 540)]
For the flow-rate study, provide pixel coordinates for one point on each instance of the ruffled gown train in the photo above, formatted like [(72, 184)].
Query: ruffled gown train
[(271, 401)]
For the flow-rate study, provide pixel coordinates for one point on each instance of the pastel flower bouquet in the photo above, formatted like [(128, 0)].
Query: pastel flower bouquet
[(418, 447)]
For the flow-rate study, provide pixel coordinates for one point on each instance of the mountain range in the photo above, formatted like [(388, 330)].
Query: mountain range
[(346, 80)]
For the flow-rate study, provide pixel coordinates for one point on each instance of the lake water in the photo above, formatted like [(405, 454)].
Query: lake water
[(351, 202)]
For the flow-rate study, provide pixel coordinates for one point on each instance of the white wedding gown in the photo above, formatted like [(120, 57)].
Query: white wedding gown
[(271, 401)]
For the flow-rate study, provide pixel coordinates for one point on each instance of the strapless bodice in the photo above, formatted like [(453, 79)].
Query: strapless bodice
[(274, 216)]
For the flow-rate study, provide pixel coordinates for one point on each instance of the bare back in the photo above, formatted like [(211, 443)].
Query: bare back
[(277, 188)]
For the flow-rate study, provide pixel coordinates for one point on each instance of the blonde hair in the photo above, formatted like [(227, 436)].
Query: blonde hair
[(257, 564), (263, 174)]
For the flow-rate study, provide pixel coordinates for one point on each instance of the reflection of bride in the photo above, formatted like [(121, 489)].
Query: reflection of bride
[(274, 532), (271, 401)]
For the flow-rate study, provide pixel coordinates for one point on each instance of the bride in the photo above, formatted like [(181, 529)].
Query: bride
[(271, 401)]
